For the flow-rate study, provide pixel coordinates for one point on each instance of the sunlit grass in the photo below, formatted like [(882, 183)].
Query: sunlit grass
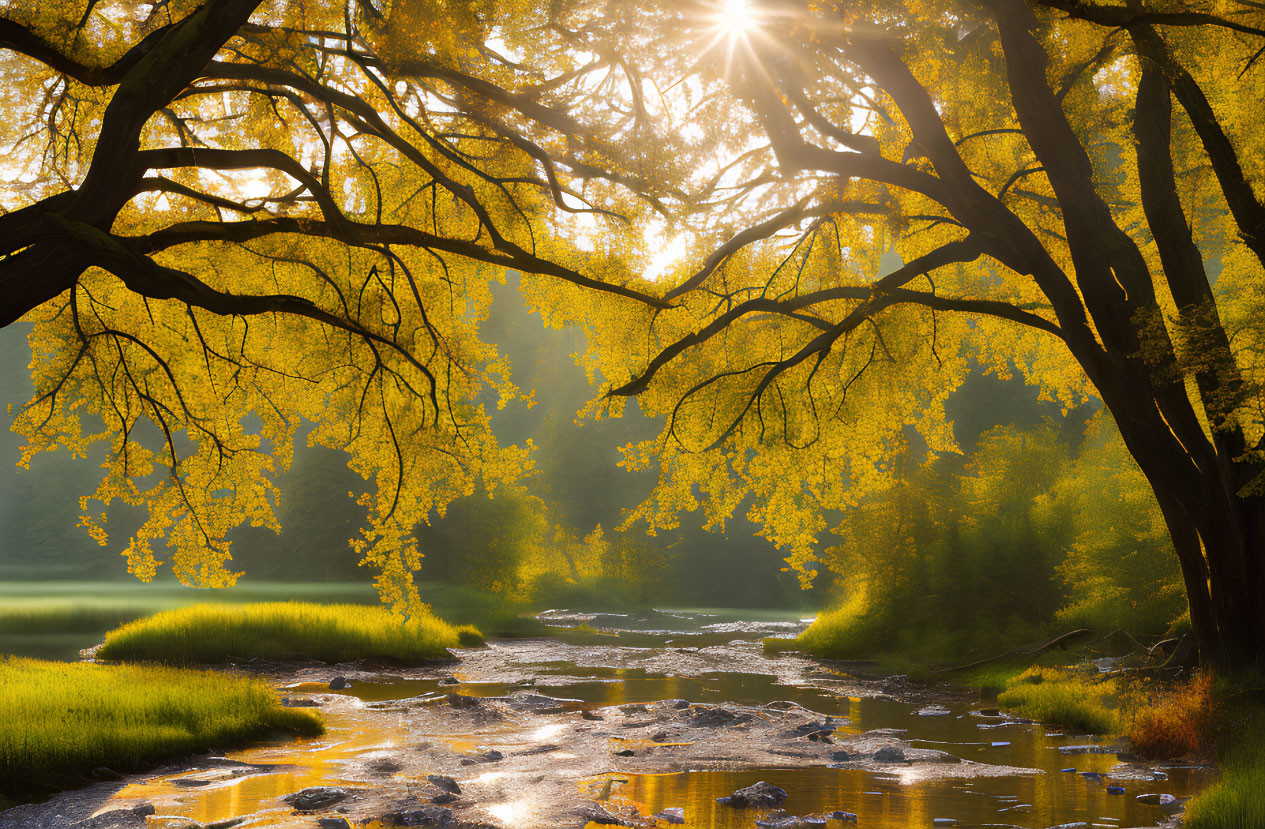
[(845, 632), (215, 634), (1068, 698), (60, 721), (1237, 800)]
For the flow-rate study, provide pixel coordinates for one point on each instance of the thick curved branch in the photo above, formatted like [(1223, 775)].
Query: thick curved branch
[(18, 38), (147, 278), (1128, 16), (389, 234), (1248, 211), (962, 251)]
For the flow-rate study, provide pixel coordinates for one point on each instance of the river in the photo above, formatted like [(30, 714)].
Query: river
[(529, 729)]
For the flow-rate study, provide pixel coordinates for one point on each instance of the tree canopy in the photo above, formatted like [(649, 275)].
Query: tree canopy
[(790, 228)]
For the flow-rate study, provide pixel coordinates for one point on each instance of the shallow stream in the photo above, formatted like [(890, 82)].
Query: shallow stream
[(598, 661)]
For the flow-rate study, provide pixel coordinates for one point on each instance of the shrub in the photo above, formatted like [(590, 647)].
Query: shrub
[(1176, 722), (216, 634)]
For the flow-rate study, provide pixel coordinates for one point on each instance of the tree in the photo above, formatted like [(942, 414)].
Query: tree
[(228, 218), (1053, 212), (1023, 160)]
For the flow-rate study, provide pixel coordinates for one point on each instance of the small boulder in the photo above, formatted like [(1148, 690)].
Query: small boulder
[(316, 797), (444, 798), (384, 765), (425, 816), (445, 783), (596, 813), (339, 683), (673, 815), (716, 718), (1156, 799), (933, 711), (889, 754), (757, 794)]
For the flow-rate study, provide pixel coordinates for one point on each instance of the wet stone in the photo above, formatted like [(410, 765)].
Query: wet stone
[(303, 702), (674, 814), (1156, 799), (462, 701), (384, 765), (316, 797), (444, 798), (596, 813), (339, 683), (889, 754), (425, 816), (445, 783), (716, 718), (757, 794)]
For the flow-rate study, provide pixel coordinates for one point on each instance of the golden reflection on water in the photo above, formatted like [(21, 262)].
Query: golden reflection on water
[(880, 803), (300, 763)]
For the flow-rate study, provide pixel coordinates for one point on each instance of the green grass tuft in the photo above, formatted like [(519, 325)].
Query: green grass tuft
[(1067, 698), (60, 721), (1235, 801), (215, 634)]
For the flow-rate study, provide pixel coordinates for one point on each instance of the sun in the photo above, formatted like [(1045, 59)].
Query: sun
[(737, 17)]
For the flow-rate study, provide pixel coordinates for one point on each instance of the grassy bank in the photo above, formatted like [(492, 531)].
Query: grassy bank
[(1237, 799), (59, 722), (216, 634), (1075, 699)]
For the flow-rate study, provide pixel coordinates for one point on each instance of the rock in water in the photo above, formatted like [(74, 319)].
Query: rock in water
[(384, 765), (425, 816), (757, 794), (673, 815), (316, 797), (444, 782), (338, 683), (889, 754), (1157, 799), (596, 813), (933, 711)]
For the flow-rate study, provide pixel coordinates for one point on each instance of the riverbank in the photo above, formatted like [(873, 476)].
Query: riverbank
[(649, 712)]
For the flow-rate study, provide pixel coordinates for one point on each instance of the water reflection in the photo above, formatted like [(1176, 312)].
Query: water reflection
[(892, 800), (1032, 801), (742, 688)]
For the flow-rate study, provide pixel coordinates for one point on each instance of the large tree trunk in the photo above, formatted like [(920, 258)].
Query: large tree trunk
[(1219, 537)]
